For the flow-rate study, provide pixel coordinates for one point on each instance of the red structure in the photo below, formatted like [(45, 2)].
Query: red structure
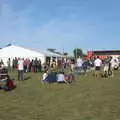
[(103, 54), (90, 54)]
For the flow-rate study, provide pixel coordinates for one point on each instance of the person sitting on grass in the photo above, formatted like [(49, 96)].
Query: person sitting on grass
[(69, 77), (7, 84), (45, 75), (10, 85), (61, 78)]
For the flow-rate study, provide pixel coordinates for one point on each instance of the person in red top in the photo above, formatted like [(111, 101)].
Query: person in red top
[(9, 85)]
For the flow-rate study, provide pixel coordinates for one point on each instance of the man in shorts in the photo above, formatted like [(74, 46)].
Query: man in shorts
[(106, 66)]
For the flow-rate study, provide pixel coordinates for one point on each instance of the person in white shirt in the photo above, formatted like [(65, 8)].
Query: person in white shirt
[(98, 64), (114, 65), (61, 78), (20, 69), (79, 63), (45, 75)]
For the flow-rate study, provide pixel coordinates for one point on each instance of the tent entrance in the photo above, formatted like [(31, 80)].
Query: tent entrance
[(48, 60)]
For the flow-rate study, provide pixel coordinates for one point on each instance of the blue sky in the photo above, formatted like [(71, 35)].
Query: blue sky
[(42, 24)]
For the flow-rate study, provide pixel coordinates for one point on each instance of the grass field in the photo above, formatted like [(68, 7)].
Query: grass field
[(88, 99)]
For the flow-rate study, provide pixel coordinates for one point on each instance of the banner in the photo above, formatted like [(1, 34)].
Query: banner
[(90, 54)]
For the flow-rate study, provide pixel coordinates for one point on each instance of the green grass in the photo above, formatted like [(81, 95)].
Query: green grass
[(88, 99)]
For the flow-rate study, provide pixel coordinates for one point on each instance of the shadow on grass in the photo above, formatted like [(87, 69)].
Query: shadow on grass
[(28, 78)]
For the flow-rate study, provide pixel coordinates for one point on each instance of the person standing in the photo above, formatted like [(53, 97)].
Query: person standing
[(20, 69), (36, 65), (39, 65), (72, 65), (85, 66), (79, 64), (29, 66), (16, 63), (25, 65), (113, 64), (13, 64), (98, 64), (106, 66), (9, 65), (92, 66)]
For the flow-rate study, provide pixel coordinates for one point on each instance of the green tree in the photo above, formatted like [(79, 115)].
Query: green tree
[(65, 54), (77, 52)]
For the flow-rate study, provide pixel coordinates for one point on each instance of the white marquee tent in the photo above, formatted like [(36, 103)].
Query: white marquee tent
[(13, 51), (20, 52)]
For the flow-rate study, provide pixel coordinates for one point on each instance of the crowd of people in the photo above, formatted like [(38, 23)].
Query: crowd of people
[(29, 65), (99, 67), (63, 70)]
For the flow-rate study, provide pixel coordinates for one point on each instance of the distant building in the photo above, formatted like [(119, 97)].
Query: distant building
[(104, 53)]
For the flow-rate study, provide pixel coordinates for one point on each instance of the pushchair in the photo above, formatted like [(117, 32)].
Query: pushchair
[(5, 82)]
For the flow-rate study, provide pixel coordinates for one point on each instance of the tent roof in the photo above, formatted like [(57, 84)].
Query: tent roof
[(17, 51), (47, 53)]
